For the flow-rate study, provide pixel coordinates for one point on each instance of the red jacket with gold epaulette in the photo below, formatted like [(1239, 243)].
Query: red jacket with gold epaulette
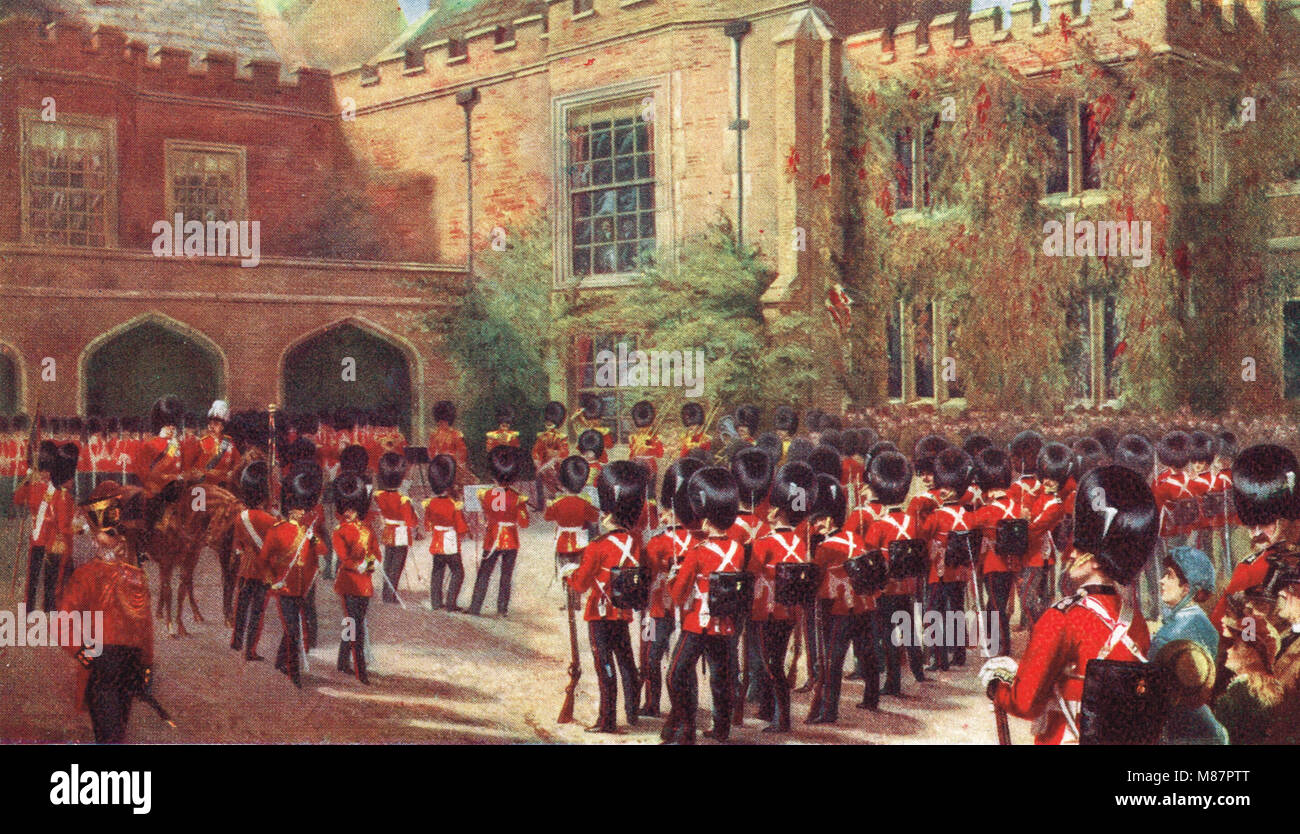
[(248, 543), (358, 553), (397, 511), (571, 514), (121, 591), (443, 518), (505, 512), (616, 549), (291, 554), (1065, 638)]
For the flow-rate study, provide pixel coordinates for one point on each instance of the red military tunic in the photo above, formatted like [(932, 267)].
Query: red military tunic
[(217, 459), (1250, 572), (582, 424), (1173, 486), (251, 528), (747, 528), (895, 525), (661, 553), (645, 448), (121, 591), (399, 517), (291, 553), (446, 524), (1048, 511), (998, 507), (861, 519), (830, 556), (949, 518), (1065, 638), (922, 505), (445, 440), (852, 473), (358, 555), (1221, 482), (505, 511), (1026, 490), (571, 514), (779, 546), (157, 462), (690, 590), (502, 437), (53, 510), (691, 440), (549, 445), (616, 549)]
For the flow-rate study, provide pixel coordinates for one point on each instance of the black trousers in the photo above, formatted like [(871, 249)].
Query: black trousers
[(250, 605), (114, 676), (843, 631), (946, 597), (886, 607), (1034, 595), (287, 655), (664, 627), (1000, 585), (394, 563), (43, 571), (310, 622), (774, 692), (354, 607), (684, 696), (444, 563), (485, 576), (611, 643)]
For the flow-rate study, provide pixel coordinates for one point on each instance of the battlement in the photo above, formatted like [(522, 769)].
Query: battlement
[(71, 47), (1039, 32)]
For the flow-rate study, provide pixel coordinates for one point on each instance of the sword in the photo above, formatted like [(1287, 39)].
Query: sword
[(389, 583), (148, 698)]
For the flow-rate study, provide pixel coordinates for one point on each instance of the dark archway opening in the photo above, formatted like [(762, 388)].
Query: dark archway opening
[(9, 380), (318, 377), (127, 374)]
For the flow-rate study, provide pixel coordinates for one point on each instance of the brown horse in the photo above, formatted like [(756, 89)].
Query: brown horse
[(189, 523)]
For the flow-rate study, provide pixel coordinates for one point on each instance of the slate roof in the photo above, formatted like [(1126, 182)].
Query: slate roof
[(454, 18)]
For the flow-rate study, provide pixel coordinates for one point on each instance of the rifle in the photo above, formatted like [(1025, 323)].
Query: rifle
[(647, 624), (149, 699), (797, 652), (822, 663), (999, 714), (33, 444), (270, 458), (575, 667)]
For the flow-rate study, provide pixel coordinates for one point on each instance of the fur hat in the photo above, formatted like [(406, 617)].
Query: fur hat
[(1055, 463), (1024, 449), (1107, 438), (785, 419), (554, 413), (351, 492), (621, 488), (1225, 445), (1115, 519), (826, 461), (713, 496), (747, 416), (976, 443), (794, 491), (506, 464), (800, 448), (65, 463), (643, 414), (300, 488), (833, 438), (672, 492), (849, 443), (354, 458), (692, 414), (1174, 449), (1264, 482), (926, 450), (391, 471), (1088, 455), (574, 473), (442, 474), (444, 411), (254, 488), (590, 441), (753, 470), (167, 411), (592, 406), (953, 469), (769, 442), (301, 448), (890, 477), (1202, 447), (993, 469), (831, 501), (504, 413), (220, 410), (1136, 452)]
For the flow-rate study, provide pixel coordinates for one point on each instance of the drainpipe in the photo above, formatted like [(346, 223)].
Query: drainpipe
[(736, 30), (467, 99)]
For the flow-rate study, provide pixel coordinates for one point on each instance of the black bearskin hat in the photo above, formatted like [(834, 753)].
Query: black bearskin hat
[(1225, 445), (506, 463), (592, 406), (672, 492), (833, 438), (504, 413), (849, 443), (785, 419), (65, 463), (800, 448), (444, 411), (574, 472), (1174, 449), (554, 413), (1088, 455), (1024, 448), (692, 414), (253, 486), (1136, 452), (1202, 447), (993, 469), (168, 411), (621, 487), (93, 426), (1115, 519), (889, 476), (46, 455), (643, 414), (770, 443), (1264, 481), (747, 416), (300, 487), (825, 461), (831, 501), (391, 471), (442, 474), (1055, 462), (351, 492), (976, 443), (354, 458), (713, 496), (794, 491), (1107, 438), (300, 449), (926, 450), (753, 470), (953, 469), (591, 441), (812, 420)]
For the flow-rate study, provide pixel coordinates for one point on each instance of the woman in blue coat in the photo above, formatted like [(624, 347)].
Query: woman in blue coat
[(1188, 580)]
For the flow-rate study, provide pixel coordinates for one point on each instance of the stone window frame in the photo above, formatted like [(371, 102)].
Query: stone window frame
[(656, 87), (172, 148), (108, 125), (940, 311), (1097, 353), (1075, 144), (921, 186)]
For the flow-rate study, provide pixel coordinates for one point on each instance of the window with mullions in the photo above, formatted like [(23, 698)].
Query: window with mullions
[(923, 348), (894, 351), (67, 180), (952, 348), (1291, 348), (915, 166), (611, 183), (1077, 350), (1113, 344), (617, 401), (205, 182)]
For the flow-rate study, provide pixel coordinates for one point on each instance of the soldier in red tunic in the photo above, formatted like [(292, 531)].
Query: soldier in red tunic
[(446, 440), (292, 552), (505, 511), (699, 589), (889, 478), (251, 527), (215, 455), (550, 447), (621, 488), (753, 471), (1024, 449), (694, 432), (947, 584), (644, 446), (445, 521), (398, 518), (358, 555), (1116, 524), (504, 434), (588, 418), (998, 568), (119, 664), (47, 495), (573, 515), (1045, 514)]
